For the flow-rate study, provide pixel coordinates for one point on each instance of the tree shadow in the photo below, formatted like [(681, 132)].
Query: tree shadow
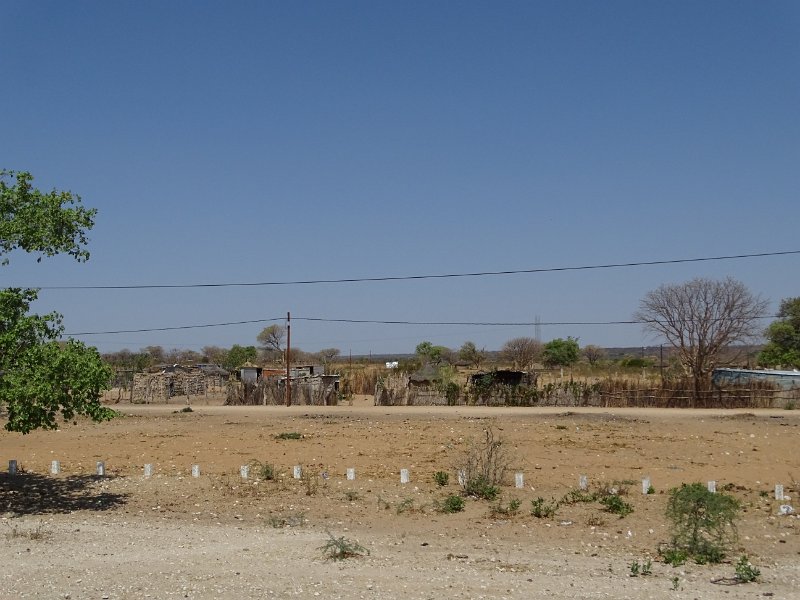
[(34, 494)]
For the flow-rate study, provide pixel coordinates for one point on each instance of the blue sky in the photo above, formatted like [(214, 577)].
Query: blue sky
[(263, 141)]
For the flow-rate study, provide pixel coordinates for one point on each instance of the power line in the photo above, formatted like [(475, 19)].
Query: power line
[(418, 277), (203, 326), (387, 322)]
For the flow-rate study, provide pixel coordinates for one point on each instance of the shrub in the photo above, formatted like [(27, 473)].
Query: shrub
[(673, 556), (441, 478), (480, 487), (452, 504), (484, 466), (745, 571), (405, 505), (644, 569), (512, 509), (288, 435), (616, 505), (577, 496), (341, 548), (543, 510), (263, 470), (702, 522)]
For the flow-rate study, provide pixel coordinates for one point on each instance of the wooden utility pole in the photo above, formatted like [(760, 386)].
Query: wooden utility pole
[(288, 355)]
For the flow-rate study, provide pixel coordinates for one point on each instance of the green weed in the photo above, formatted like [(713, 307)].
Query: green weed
[(341, 548)]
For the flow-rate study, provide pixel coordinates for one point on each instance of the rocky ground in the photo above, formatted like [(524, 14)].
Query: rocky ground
[(77, 535)]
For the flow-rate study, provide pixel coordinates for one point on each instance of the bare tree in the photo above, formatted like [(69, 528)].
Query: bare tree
[(700, 319), (326, 355), (271, 341), (214, 354), (521, 352), (594, 354)]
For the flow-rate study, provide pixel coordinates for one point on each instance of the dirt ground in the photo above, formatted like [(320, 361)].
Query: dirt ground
[(77, 535)]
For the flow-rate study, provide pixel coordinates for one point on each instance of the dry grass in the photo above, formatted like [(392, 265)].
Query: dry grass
[(38, 533)]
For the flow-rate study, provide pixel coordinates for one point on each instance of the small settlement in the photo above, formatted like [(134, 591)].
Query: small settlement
[(308, 385)]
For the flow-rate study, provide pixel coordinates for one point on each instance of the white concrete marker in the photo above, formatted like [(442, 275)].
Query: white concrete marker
[(645, 485), (351, 474), (583, 482), (195, 470), (778, 491), (297, 472), (244, 471), (12, 467), (101, 468), (404, 476), (148, 470), (55, 467), (519, 480), (462, 478), (712, 487)]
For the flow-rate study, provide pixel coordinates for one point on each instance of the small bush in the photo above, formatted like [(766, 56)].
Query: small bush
[(441, 478), (481, 488), (596, 521), (512, 509), (647, 567), (673, 556), (703, 523), (543, 510), (452, 504), (616, 506), (405, 505), (484, 466), (745, 571), (341, 548), (577, 496), (288, 435), (310, 482), (263, 470), (644, 569)]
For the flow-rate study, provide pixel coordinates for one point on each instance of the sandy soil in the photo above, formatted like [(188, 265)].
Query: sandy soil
[(76, 535)]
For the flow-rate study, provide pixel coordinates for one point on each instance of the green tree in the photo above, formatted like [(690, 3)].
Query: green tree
[(238, 355), (561, 352), (430, 353), (40, 376), (48, 223), (469, 353), (783, 347)]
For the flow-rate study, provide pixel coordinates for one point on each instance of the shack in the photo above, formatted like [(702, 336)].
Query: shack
[(785, 380)]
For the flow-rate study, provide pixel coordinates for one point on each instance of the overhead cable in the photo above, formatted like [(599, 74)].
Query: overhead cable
[(417, 277)]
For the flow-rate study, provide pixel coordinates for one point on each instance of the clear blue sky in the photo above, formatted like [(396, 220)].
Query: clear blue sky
[(274, 141)]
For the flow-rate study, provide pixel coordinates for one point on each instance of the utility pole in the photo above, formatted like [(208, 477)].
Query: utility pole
[(288, 355)]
